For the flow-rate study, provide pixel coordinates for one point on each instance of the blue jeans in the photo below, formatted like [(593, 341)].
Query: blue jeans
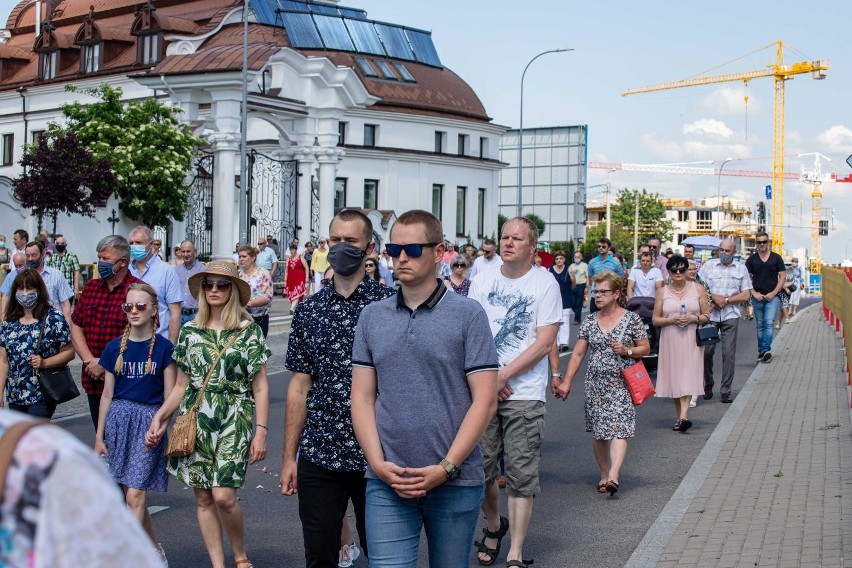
[(448, 513), (765, 312), (579, 291)]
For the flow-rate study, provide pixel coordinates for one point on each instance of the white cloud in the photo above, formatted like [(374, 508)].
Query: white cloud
[(731, 100), (836, 139), (708, 127)]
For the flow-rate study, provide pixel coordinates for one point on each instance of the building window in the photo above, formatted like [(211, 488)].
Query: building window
[(461, 198), (483, 147), (386, 70), (370, 134), (91, 61), (371, 193), (683, 216), (339, 193), (149, 49), (463, 144), (8, 149), (36, 136), (365, 67), (437, 200), (49, 64), (404, 72), (480, 213), (440, 142), (341, 133)]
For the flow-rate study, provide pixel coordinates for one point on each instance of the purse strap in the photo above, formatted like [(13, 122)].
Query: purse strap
[(8, 443), (213, 368), (40, 334)]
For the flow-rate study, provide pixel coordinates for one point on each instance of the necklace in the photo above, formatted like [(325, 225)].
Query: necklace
[(676, 292)]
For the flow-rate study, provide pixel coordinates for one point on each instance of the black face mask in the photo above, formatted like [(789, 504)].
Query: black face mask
[(60, 248), (345, 259)]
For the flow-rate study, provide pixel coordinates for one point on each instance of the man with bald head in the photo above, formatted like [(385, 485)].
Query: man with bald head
[(730, 285), (19, 259)]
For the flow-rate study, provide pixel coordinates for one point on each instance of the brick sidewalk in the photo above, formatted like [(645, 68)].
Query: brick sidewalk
[(773, 485)]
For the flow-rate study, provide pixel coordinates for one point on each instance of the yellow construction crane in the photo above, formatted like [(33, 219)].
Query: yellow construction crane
[(782, 73)]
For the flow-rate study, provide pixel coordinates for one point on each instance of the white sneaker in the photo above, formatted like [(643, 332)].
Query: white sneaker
[(349, 553), (162, 554)]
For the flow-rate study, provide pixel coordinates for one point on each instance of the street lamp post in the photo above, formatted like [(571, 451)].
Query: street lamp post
[(719, 198), (521, 128)]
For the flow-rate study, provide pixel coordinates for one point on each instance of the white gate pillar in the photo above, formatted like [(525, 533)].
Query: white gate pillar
[(225, 210)]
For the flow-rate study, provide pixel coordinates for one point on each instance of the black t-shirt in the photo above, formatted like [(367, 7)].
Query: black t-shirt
[(765, 274)]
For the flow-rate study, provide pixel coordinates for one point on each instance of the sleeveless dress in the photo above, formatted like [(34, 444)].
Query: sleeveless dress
[(680, 367), (295, 278)]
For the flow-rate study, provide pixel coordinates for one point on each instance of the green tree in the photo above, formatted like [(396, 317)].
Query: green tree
[(148, 149), (652, 216), (622, 240), (539, 222)]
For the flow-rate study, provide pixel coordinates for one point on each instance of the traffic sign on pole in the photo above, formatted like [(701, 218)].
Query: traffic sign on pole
[(768, 191)]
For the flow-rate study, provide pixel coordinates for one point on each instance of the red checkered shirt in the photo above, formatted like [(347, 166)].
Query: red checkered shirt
[(98, 313)]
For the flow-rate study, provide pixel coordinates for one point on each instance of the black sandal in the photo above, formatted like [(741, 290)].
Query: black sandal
[(519, 563), (492, 552)]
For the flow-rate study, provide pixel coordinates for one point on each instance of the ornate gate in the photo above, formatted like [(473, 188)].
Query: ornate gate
[(272, 190), (315, 228), (199, 214)]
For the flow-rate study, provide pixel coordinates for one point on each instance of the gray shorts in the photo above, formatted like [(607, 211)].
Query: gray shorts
[(517, 429)]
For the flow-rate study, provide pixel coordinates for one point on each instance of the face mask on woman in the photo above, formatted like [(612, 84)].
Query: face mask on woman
[(27, 299), (577, 260)]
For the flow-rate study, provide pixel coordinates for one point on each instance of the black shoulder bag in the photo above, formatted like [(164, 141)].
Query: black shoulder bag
[(56, 384)]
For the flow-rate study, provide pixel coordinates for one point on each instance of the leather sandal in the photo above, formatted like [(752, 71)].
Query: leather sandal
[(519, 563), (245, 563), (493, 553)]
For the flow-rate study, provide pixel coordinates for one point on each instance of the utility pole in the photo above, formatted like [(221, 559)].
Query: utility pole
[(608, 216), (636, 229)]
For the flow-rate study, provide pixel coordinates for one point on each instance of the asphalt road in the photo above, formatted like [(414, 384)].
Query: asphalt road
[(572, 524)]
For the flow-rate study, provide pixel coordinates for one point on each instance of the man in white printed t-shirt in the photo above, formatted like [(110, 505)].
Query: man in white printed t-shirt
[(524, 309)]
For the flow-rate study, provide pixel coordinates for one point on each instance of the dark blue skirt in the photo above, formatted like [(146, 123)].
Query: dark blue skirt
[(130, 462)]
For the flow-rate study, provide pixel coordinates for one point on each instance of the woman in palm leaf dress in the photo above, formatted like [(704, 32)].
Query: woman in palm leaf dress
[(237, 391)]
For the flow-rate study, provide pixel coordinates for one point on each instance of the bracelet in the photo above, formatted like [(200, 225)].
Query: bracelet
[(262, 426), (555, 375)]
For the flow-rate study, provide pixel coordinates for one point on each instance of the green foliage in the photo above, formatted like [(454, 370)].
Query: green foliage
[(149, 151), (622, 240), (565, 246), (61, 176), (539, 222), (652, 216), (501, 220)]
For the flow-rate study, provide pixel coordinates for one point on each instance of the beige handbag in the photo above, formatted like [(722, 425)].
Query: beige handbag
[(184, 431)]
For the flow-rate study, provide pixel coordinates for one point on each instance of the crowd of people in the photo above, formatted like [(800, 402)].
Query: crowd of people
[(159, 339)]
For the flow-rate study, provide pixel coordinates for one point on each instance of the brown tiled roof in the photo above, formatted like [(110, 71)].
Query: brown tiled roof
[(437, 90), (222, 58)]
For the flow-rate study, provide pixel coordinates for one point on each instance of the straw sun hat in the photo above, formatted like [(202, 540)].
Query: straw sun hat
[(224, 269)]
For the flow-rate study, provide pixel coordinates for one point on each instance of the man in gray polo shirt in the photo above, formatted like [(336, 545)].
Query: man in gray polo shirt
[(420, 437)]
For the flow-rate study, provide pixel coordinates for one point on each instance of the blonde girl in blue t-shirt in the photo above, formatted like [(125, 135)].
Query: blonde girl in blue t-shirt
[(139, 374)]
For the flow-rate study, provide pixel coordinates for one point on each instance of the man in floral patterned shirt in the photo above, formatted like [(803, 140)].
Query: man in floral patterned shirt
[(331, 465)]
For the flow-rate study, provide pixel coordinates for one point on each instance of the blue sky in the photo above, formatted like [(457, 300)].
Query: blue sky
[(623, 44), (630, 44)]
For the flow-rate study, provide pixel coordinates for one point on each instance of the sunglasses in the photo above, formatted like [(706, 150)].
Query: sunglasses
[(370, 265), (128, 307), (209, 285), (459, 265), (603, 246), (762, 242), (679, 270), (412, 250)]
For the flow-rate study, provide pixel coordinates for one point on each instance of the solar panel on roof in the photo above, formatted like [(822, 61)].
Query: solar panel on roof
[(323, 9), (334, 33), (424, 48), (394, 41), (365, 37), (291, 5), (352, 13), (301, 30), (264, 11)]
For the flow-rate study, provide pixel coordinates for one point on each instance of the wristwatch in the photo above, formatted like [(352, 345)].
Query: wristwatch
[(453, 471), (629, 352), (555, 375)]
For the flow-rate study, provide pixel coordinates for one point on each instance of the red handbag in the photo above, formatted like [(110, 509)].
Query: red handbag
[(638, 382)]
